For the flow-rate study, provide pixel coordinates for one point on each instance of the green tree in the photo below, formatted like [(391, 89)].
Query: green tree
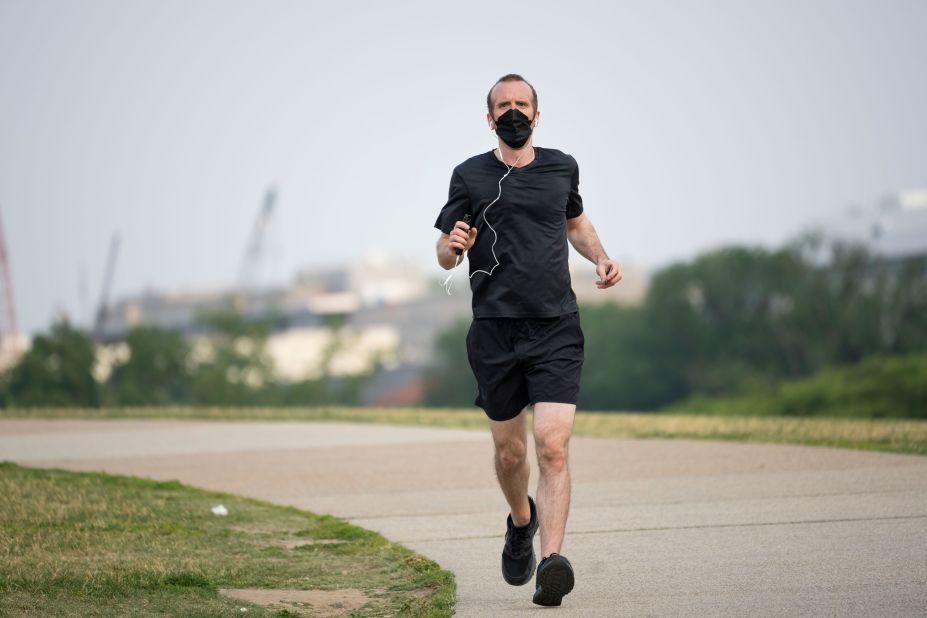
[(877, 387), (56, 371), (156, 371), (903, 321), (617, 374), (734, 320), (449, 382), (233, 366)]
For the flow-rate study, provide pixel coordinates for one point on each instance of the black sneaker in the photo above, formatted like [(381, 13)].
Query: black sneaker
[(518, 553), (554, 580)]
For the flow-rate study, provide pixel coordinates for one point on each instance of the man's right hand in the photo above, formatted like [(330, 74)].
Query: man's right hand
[(462, 237)]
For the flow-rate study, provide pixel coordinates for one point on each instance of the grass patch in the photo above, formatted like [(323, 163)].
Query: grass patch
[(890, 435), (90, 544)]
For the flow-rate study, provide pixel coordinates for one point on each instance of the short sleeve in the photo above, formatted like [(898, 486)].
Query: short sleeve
[(458, 204), (575, 201)]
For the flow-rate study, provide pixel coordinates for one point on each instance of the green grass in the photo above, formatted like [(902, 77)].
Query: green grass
[(89, 544), (890, 435)]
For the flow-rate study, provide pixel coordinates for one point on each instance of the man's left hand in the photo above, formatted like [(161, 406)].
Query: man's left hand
[(609, 273)]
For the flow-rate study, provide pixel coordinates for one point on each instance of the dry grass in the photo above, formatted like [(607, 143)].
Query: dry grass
[(897, 436)]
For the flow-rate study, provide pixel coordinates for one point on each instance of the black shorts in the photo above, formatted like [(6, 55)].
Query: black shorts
[(521, 361)]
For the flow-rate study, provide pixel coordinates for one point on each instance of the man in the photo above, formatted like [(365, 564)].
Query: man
[(525, 344)]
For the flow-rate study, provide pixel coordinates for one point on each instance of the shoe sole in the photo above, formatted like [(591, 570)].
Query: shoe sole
[(554, 583), (524, 579)]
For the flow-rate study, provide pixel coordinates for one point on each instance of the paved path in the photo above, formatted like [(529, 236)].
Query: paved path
[(657, 528)]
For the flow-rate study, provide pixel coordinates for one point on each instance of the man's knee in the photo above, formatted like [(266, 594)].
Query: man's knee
[(552, 453), (553, 423), (511, 455)]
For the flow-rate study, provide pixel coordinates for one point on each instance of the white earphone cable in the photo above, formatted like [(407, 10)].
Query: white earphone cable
[(447, 282)]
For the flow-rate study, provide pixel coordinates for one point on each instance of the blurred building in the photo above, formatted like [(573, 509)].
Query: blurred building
[(12, 347), (381, 313)]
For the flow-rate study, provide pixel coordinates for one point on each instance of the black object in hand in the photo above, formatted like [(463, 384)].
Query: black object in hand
[(466, 220)]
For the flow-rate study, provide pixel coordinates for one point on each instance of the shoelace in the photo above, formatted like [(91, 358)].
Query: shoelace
[(517, 536)]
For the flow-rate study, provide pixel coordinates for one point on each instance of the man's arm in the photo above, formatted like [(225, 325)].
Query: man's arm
[(461, 237), (584, 239)]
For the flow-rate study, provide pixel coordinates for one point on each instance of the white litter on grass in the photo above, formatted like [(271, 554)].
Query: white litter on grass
[(243, 609), (220, 510)]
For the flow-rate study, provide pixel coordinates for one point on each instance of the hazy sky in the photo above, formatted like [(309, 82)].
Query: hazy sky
[(695, 123)]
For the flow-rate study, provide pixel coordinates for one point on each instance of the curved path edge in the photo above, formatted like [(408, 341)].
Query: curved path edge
[(657, 527)]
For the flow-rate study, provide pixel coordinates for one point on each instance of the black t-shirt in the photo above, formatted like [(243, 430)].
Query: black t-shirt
[(533, 276)]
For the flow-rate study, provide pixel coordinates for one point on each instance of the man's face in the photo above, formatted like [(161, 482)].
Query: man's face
[(511, 95)]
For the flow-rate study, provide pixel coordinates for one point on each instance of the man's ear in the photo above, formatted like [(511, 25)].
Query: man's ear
[(537, 117), (492, 126)]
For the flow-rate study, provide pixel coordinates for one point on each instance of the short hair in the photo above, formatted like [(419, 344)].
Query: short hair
[(512, 77)]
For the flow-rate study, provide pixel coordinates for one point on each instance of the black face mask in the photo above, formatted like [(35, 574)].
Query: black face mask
[(513, 128)]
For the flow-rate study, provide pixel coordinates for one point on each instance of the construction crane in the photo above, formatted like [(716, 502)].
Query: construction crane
[(254, 252), (8, 333), (103, 307)]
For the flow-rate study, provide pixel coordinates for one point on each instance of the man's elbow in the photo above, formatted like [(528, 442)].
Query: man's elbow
[(575, 225), (574, 234)]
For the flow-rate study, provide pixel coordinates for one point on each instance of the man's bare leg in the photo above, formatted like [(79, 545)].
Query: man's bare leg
[(511, 459), (553, 424)]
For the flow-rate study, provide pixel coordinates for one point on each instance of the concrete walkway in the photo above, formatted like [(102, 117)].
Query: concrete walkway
[(657, 528)]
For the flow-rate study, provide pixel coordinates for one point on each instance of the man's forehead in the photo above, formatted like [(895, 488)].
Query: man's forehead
[(511, 90)]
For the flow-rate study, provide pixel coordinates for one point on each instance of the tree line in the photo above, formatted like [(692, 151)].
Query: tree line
[(813, 327), (742, 321)]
